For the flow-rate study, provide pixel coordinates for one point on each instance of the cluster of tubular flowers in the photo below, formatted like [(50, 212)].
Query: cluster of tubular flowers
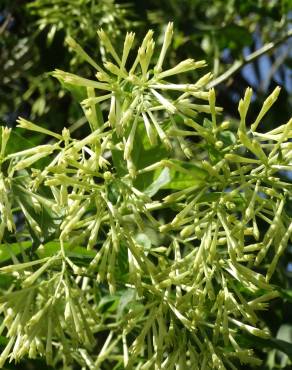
[(136, 281), (49, 304), (140, 91)]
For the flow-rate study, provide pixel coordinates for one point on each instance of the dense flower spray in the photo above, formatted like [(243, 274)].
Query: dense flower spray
[(155, 236)]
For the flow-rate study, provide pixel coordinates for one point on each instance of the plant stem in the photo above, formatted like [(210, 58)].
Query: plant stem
[(238, 64)]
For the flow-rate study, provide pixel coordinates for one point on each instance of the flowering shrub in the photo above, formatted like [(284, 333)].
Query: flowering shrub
[(151, 242)]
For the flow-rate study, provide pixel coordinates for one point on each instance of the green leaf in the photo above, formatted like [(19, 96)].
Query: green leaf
[(47, 220), (272, 343), (127, 297), (7, 250), (109, 303), (184, 175), (119, 162), (3, 341), (49, 249), (79, 93), (163, 179), (18, 140), (227, 137), (215, 155), (144, 154), (5, 281), (281, 345), (80, 253), (234, 37), (286, 293)]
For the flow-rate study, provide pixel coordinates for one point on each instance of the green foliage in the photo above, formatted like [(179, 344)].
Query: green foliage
[(152, 241), (208, 28), (79, 17), (28, 53)]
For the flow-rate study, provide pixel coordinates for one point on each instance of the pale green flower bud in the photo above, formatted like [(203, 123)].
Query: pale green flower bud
[(147, 38), (149, 129), (5, 353), (32, 352), (166, 42), (23, 123), (279, 252), (177, 87), (115, 70), (32, 278), (81, 52), (243, 107), (266, 106), (250, 329), (112, 112), (145, 56), (185, 66), (108, 45), (219, 144), (212, 103), (203, 81), (80, 81), (4, 139), (239, 159), (164, 102), (129, 39), (95, 100), (159, 130), (41, 152)]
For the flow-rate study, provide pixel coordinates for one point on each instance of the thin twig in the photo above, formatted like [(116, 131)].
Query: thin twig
[(250, 58), (276, 65), (5, 24)]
